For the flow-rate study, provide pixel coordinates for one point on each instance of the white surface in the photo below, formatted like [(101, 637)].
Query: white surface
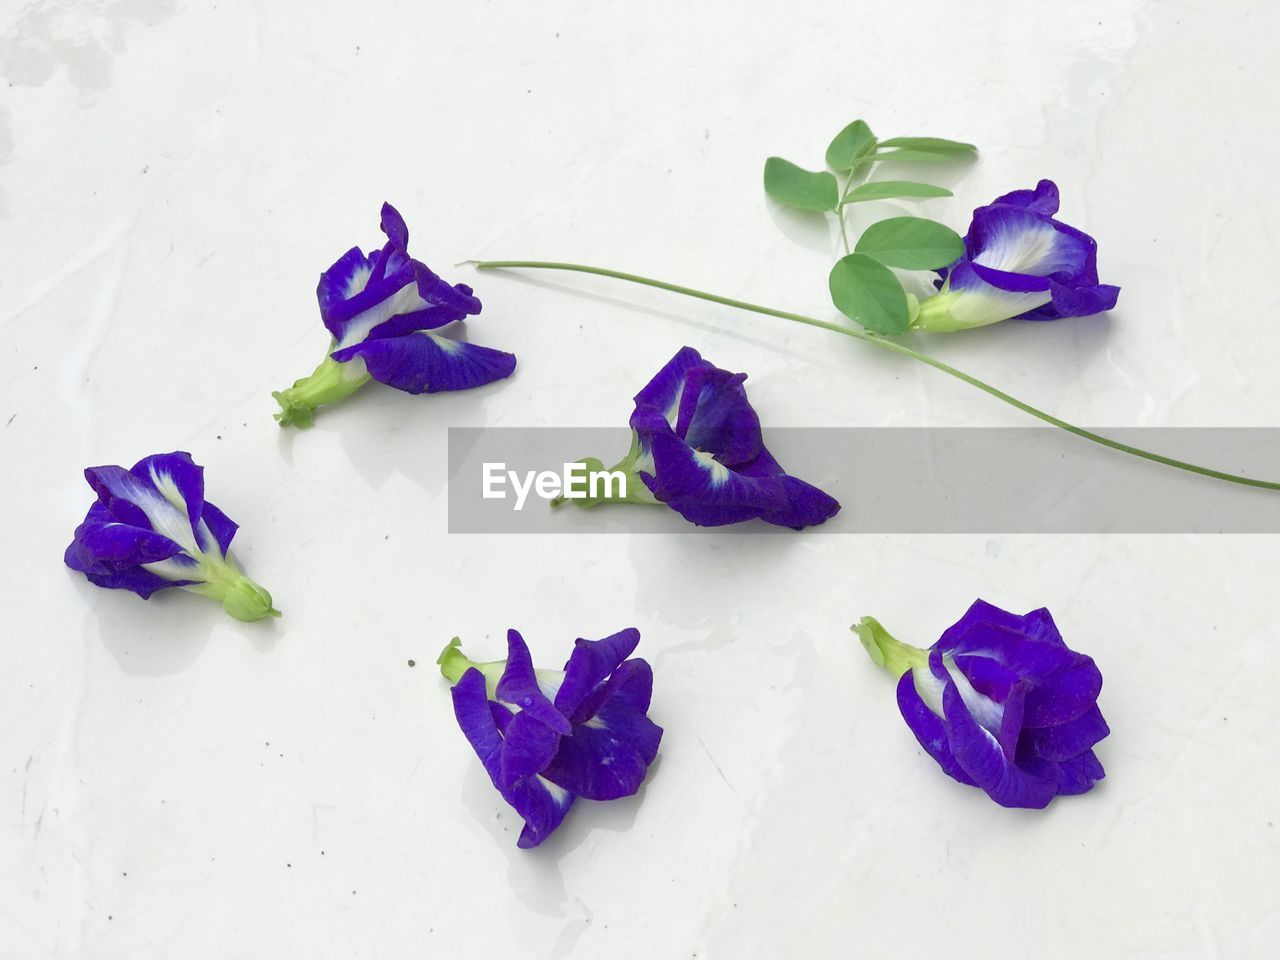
[(175, 784)]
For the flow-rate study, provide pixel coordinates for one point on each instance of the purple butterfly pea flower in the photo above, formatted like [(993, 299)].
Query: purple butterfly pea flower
[(547, 737), (151, 528), (382, 310), (1019, 262), (697, 447), (1000, 703)]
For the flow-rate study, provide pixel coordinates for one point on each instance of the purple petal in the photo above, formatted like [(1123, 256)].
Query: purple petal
[(175, 471), (601, 761), (1079, 774), (1043, 199), (662, 393), (340, 284), (430, 363), (591, 662), (142, 582), (1017, 241), (929, 729), (700, 489), (1067, 740), (116, 543), (220, 525), (471, 708), (528, 745), (393, 226), (1065, 696), (714, 416), (1031, 784), (439, 293), (428, 318), (542, 805), (519, 686)]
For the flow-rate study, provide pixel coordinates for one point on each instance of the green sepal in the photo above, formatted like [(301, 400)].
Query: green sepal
[(886, 651), (329, 382), (637, 490), (240, 597), (454, 664)]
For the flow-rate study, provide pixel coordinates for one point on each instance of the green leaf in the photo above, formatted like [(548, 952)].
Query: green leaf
[(797, 187), (912, 243), (851, 144), (888, 189), (931, 145), (867, 291)]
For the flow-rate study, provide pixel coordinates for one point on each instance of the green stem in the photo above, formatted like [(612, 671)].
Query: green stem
[(884, 344)]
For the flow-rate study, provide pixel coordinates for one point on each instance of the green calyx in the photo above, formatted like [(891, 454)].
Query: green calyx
[(329, 382), (454, 663), (594, 484), (892, 654), (240, 597)]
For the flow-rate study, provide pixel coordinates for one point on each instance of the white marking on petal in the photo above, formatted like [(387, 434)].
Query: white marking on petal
[(172, 569), (559, 795), (404, 300), (358, 281), (929, 687), (982, 708), (447, 344), (1027, 246), (719, 472), (166, 510)]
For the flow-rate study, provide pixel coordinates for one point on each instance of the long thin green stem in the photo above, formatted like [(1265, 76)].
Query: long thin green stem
[(884, 344)]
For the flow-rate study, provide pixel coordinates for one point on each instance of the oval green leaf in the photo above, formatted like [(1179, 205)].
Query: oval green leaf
[(889, 189), (911, 243), (866, 290), (797, 187), (851, 144), (930, 145)]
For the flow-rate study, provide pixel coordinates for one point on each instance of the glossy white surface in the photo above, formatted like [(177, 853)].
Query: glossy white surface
[(175, 784)]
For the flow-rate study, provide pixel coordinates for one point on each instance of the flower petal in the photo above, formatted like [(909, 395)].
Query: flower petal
[(219, 526), (1043, 199), (1017, 241), (806, 505), (662, 393), (340, 284), (116, 543), (929, 728), (163, 506), (600, 761), (1079, 774), (1032, 783), (471, 708), (698, 487), (715, 417), (519, 686), (542, 804), (528, 745), (591, 662), (430, 363), (1067, 740), (142, 582)]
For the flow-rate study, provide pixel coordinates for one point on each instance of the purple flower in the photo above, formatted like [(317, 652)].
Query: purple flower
[(382, 309), (1019, 262), (151, 528), (546, 737), (697, 447), (1000, 703)]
